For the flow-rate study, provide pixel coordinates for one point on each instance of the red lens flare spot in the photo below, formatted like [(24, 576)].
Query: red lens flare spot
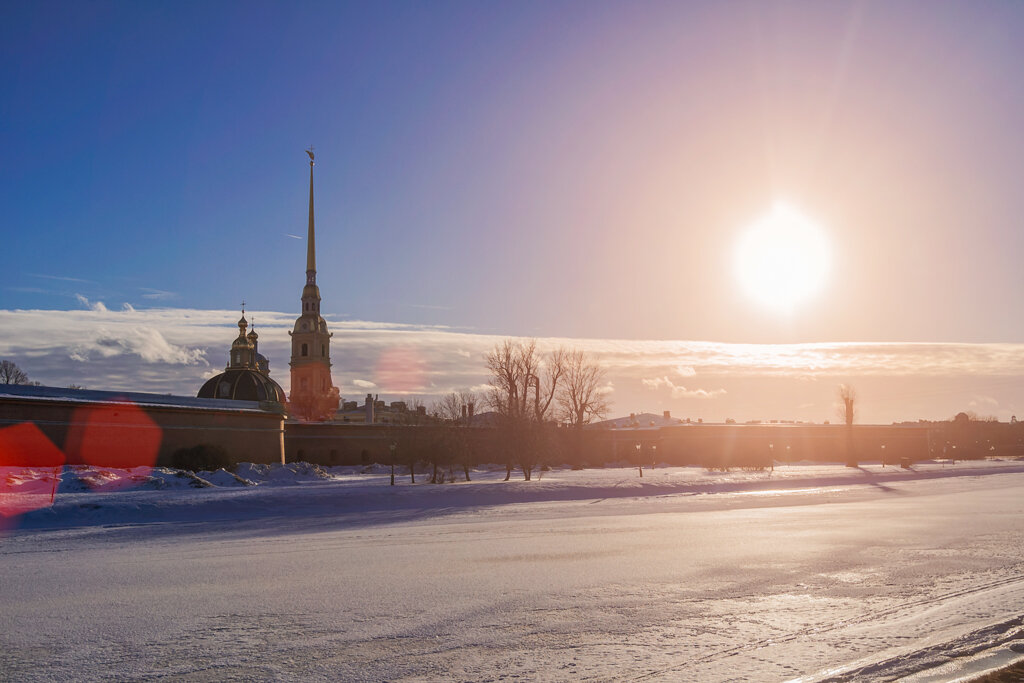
[(120, 437), (401, 370), (29, 470)]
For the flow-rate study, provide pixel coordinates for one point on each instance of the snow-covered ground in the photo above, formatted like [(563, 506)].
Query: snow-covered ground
[(809, 572)]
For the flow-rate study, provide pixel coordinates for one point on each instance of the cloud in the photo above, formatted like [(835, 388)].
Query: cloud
[(144, 342), (364, 384), (157, 294), (607, 388), (429, 307), (679, 391), (62, 278), (172, 350), (28, 290), (979, 402), (97, 306), (294, 237)]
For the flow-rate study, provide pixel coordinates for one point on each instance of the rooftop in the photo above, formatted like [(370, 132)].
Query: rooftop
[(137, 398)]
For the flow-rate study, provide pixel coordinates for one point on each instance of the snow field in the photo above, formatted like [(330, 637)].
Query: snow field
[(815, 573)]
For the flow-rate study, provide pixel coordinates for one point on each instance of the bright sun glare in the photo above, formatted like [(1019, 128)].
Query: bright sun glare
[(782, 260)]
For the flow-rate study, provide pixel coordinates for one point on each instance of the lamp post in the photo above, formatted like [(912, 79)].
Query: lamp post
[(393, 447), (639, 462), (654, 455)]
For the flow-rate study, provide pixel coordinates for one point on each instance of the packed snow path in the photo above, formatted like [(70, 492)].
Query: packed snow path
[(857, 582)]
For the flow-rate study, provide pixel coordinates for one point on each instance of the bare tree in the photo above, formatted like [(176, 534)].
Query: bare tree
[(10, 373), (517, 367), (452, 411), (407, 439), (581, 397), (847, 412), (451, 406)]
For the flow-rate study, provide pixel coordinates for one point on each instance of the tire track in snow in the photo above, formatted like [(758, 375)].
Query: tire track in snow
[(862, 618)]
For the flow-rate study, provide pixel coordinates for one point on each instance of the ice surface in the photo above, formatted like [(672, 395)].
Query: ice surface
[(809, 573)]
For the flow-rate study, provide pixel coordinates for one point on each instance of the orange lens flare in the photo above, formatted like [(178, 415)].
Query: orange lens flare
[(401, 370), (29, 469)]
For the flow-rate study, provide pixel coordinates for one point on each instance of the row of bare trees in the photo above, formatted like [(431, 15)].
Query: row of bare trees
[(532, 391), (530, 394), (567, 385)]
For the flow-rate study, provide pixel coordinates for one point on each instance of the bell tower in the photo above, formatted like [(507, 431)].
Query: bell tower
[(313, 395)]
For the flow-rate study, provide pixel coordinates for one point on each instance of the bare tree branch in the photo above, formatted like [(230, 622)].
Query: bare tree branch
[(10, 373), (581, 397)]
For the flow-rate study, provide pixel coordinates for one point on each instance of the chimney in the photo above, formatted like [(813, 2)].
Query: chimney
[(369, 409), (667, 415), (471, 410), (464, 411)]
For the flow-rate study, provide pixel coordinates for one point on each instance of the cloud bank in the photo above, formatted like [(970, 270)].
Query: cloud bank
[(172, 350)]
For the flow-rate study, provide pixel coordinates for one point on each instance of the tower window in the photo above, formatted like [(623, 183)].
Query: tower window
[(323, 349), (305, 349)]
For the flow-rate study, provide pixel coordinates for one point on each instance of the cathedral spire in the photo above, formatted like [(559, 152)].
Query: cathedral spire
[(310, 237), (313, 394)]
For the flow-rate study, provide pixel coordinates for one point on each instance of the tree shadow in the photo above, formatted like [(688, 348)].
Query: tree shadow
[(879, 485)]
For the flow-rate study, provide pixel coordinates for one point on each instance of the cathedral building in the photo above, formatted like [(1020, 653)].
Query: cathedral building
[(313, 394), (313, 398), (247, 376)]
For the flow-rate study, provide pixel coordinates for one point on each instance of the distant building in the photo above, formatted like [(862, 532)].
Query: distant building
[(375, 411)]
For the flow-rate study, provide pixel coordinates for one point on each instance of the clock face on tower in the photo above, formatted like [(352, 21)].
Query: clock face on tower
[(310, 279)]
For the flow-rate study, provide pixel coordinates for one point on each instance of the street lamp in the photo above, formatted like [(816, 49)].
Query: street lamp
[(639, 462), (392, 448)]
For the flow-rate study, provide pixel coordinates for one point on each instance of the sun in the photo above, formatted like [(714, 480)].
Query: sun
[(783, 259)]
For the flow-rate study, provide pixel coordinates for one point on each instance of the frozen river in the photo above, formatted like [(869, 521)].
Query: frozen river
[(866, 581)]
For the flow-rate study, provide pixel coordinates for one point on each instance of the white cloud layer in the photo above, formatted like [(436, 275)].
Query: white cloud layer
[(172, 350), (678, 390)]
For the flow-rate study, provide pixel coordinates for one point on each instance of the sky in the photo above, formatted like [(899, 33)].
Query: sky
[(579, 172)]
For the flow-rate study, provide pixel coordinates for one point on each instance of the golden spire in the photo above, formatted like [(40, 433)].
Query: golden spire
[(310, 237)]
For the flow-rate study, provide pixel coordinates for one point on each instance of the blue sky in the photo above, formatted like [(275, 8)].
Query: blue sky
[(572, 170)]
